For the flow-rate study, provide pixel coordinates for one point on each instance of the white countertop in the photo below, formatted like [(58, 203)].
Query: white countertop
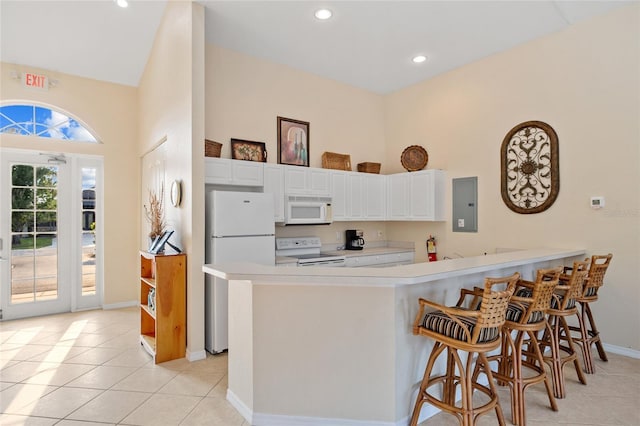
[(386, 277)]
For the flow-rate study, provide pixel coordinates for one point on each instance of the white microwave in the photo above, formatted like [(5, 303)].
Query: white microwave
[(307, 210)]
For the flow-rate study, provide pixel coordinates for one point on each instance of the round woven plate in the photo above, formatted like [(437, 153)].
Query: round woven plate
[(414, 158)]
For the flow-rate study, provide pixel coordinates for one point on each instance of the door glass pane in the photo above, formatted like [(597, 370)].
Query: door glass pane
[(22, 198), (22, 221), (46, 199), (46, 222), (88, 231), (34, 256), (47, 176), (22, 175)]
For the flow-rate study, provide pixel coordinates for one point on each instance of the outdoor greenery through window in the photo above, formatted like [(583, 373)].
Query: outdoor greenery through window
[(33, 120), (88, 230), (34, 231)]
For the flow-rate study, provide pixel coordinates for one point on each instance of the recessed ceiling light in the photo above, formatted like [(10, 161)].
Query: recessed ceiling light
[(419, 59), (323, 14), (122, 3)]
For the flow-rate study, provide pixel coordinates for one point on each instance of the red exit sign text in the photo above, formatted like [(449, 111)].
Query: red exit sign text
[(35, 81)]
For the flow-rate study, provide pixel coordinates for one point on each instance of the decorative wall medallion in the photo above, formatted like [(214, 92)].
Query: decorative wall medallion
[(530, 172)]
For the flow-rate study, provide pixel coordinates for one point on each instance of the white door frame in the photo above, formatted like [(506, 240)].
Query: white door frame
[(69, 237)]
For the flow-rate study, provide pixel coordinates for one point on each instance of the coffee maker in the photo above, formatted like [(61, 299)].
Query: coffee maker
[(354, 240)]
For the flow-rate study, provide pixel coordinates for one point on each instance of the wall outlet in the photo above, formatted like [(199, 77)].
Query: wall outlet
[(338, 235), (460, 223), (380, 234)]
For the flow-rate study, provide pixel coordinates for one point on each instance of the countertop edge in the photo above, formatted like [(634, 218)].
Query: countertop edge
[(393, 276)]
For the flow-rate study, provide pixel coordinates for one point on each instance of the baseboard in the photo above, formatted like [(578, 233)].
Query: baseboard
[(631, 353), (196, 356), (240, 407), (280, 420), (127, 304), (261, 419)]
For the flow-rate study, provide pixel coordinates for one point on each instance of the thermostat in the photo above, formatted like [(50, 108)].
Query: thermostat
[(597, 202)]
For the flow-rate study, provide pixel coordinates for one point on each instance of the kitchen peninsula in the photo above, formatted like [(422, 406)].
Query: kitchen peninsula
[(334, 346)]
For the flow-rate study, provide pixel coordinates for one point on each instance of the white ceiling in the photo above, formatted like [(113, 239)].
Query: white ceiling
[(367, 44)]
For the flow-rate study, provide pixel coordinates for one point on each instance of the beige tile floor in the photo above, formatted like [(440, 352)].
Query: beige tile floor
[(87, 368), (610, 397)]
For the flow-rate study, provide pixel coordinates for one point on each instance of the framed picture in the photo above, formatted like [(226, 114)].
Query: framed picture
[(248, 150), (293, 142)]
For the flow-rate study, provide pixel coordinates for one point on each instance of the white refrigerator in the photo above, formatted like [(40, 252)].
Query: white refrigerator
[(239, 228)]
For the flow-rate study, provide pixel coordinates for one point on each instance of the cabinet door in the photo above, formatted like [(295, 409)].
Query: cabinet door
[(339, 195), (319, 182), (295, 180), (398, 196), (222, 171), (375, 197), (247, 173), (421, 196), (307, 181), (356, 196), (274, 184), (217, 171)]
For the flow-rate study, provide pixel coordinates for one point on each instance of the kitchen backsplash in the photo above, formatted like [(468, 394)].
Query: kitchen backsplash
[(334, 233)]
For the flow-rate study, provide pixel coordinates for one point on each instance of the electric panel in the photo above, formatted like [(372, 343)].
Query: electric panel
[(465, 204)]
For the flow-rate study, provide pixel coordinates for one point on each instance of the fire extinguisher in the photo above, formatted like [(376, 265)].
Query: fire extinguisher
[(431, 249)]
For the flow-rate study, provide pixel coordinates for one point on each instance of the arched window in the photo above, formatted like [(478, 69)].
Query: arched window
[(44, 122)]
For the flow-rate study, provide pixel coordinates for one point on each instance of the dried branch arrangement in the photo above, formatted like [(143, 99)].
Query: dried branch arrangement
[(155, 212)]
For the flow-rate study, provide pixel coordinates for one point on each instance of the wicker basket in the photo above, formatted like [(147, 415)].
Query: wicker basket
[(369, 167), (212, 149), (332, 160)]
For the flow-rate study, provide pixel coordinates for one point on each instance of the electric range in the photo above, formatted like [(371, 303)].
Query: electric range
[(307, 251)]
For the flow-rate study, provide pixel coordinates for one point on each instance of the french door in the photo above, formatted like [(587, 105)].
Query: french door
[(50, 257)]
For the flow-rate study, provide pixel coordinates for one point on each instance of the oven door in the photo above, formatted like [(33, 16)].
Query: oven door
[(336, 263)]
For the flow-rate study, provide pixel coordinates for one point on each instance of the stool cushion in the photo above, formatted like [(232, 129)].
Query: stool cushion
[(526, 292), (555, 301), (441, 323), (591, 291), (516, 311)]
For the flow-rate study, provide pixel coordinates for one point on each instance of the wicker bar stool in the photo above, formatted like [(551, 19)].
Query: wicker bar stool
[(563, 305), (586, 334), (470, 330), (525, 318)]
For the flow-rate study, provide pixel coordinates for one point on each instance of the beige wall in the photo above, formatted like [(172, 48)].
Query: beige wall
[(245, 95), (170, 106), (109, 110), (585, 83)]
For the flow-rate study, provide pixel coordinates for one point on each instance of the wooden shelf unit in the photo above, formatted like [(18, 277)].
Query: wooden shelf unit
[(163, 331)]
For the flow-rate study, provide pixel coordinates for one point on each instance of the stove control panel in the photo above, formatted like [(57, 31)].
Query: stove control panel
[(298, 243)]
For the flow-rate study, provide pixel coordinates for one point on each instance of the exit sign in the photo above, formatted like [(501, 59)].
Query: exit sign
[(35, 81)]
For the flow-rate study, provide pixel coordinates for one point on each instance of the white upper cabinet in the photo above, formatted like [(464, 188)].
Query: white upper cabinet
[(398, 197), (307, 181), (375, 190), (416, 196), (357, 196), (274, 184), (222, 171), (339, 195)]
